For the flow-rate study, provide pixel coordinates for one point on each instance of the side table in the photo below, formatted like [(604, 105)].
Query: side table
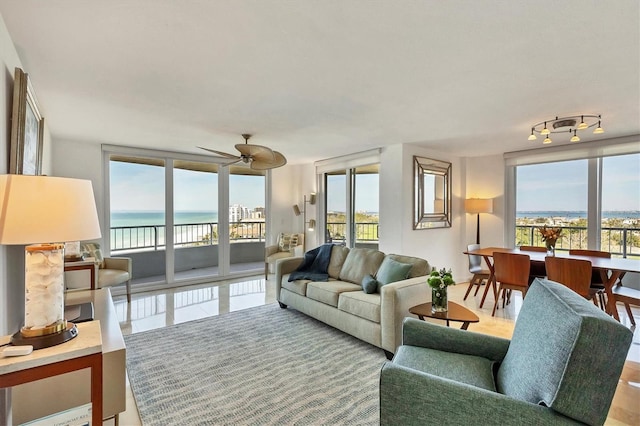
[(455, 313), (84, 351)]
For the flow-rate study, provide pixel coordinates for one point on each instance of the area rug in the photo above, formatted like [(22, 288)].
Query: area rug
[(260, 366)]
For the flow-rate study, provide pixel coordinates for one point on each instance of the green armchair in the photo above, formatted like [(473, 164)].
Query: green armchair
[(561, 366)]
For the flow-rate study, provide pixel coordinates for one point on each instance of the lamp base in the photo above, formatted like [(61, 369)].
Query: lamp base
[(40, 342)]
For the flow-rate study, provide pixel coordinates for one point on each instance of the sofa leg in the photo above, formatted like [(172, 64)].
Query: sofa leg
[(282, 305), (388, 354)]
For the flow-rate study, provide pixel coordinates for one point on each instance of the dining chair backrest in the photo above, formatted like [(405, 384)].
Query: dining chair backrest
[(594, 253), (475, 262), (533, 248), (512, 268), (572, 273)]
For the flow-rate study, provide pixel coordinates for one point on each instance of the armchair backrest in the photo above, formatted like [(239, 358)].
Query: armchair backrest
[(565, 354)]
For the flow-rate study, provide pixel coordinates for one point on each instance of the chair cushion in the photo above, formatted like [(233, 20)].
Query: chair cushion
[(361, 304), (287, 242), (338, 256), (109, 277), (94, 250), (469, 369), (279, 255), (556, 354), (360, 262), (328, 292)]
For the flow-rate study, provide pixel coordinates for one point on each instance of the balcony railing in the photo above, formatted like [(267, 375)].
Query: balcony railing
[(623, 242), (365, 231), (152, 237)]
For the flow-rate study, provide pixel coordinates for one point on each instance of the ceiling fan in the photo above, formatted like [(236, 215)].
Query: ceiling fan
[(257, 156)]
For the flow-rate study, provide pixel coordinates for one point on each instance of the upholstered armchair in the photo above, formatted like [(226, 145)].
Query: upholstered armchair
[(561, 366), (288, 245), (111, 270)]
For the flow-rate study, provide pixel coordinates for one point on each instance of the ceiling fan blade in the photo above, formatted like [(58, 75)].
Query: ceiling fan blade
[(255, 151), (222, 154), (266, 165)]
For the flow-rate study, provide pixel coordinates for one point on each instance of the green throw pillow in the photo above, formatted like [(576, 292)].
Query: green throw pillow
[(369, 284), (391, 271)]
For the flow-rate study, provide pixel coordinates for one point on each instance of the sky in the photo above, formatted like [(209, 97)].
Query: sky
[(138, 187), (553, 186), (563, 186)]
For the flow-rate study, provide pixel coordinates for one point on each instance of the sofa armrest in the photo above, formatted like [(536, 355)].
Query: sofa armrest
[(395, 301), (269, 250), (413, 397), (119, 263), (283, 267), (434, 336)]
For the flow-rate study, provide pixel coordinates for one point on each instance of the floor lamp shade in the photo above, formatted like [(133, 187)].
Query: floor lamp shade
[(42, 212), (477, 206)]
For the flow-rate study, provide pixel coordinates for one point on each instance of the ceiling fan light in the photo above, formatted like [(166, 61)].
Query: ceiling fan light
[(582, 124), (547, 140)]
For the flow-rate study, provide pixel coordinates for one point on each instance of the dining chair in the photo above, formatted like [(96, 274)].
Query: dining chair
[(512, 272), (537, 268), (572, 273), (597, 278), (475, 267), (627, 296)]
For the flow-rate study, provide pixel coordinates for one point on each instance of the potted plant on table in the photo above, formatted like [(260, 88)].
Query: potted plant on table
[(439, 280)]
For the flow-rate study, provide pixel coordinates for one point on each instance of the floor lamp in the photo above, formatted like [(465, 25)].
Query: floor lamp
[(477, 206), (296, 211)]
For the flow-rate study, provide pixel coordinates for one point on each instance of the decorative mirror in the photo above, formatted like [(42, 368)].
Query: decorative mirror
[(431, 193)]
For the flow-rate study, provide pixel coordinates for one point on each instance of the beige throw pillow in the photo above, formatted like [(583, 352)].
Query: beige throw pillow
[(360, 262)]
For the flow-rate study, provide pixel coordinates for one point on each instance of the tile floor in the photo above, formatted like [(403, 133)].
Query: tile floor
[(172, 306)]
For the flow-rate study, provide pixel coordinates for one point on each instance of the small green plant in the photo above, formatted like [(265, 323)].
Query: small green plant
[(440, 279)]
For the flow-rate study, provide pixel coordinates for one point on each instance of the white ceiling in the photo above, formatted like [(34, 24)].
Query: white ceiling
[(317, 79)]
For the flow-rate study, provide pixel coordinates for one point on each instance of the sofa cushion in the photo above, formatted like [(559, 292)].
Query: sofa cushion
[(369, 284), (297, 286), (338, 255), (391, 271), (361, 304), (328, 292), (550, 357), (472, 370), (360, 262), (420, 266)]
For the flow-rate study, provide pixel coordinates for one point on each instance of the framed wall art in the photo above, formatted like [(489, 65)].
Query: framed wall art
[(27, 128)]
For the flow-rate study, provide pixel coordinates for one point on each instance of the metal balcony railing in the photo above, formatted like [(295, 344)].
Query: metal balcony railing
[(624, 242), (152, 237), (365, 231)]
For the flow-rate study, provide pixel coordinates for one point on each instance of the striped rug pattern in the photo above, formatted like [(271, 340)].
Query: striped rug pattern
[(260, 366)]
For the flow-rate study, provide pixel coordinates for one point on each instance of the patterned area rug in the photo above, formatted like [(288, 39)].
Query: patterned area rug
[(263, 366)]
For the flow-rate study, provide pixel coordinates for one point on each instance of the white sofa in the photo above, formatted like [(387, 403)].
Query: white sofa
[(342, 303)]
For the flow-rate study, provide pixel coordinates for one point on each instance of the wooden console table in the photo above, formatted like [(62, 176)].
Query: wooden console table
[(84, 351)]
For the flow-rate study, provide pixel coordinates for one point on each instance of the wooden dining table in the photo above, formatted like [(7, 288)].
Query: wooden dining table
[(610, 268)]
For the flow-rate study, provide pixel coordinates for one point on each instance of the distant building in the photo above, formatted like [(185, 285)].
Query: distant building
[(238, 212)]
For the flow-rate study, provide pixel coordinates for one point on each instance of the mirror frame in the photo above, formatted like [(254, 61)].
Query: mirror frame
[(429, 220)]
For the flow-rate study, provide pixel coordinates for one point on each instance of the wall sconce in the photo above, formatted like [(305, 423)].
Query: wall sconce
[(45, 211), (296, 210), (477, 206)]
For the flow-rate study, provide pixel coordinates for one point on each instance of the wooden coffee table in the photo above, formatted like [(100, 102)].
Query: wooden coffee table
[(455, 313)]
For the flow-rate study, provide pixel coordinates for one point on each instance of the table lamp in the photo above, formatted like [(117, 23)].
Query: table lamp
[(42, 212), (477, 206)]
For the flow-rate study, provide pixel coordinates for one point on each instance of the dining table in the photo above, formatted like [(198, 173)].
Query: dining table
[(611, 269)]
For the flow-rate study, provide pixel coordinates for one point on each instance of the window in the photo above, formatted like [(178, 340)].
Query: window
[(595, 199)]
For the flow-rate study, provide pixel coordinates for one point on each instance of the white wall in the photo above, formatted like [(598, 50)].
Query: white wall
[(12, 257), (441, 247)]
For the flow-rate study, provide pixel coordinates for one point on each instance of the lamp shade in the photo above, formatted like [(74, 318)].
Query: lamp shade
[(37, 209), (478, 205)]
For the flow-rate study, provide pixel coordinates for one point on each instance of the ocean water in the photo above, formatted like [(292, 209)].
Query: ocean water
[(157, 218), (634, 214)]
